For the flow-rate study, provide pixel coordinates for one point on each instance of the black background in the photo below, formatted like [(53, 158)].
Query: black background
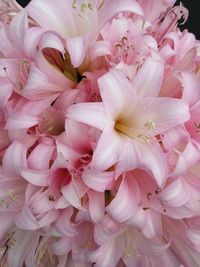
[(193, 23)]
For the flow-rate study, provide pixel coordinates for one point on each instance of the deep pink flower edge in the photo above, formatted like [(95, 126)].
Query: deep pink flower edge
[(99, 135)]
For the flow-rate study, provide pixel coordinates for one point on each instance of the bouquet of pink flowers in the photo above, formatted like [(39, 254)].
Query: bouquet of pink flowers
[(99, 135)]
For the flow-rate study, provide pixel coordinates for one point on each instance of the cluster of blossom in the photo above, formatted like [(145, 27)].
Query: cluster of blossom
[(99, 135)]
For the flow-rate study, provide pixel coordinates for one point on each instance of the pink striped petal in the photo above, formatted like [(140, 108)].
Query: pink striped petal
[(63, 224), (71, 195), (38, 85), (40, 157), (26, 220), (24, 241), (117, 94), (153, 71), (98, 181), (175, 194), (149, 157), (172, 112), (126, 201), (96, 205), (39, 178), (14, 159), (92, 114), (48, 218), (77, 49), (107, 153), (111, 8), (153, 225), (17, 120)]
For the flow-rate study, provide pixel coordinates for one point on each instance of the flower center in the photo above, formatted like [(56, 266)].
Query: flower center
[(129, 129)]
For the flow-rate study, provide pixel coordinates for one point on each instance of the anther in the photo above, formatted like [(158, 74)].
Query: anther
[(143, 138), (150, 125)]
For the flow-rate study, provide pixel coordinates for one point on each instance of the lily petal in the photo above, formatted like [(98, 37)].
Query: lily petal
[(111, 8), (153, 71), (107, 153), (125, 203), (172, 112), (117, 94), (77, 49), (98, 181), (14, 159), (92, 114)]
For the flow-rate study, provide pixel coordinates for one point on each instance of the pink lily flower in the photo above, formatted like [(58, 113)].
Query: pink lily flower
[(85, 18), (128, 116)]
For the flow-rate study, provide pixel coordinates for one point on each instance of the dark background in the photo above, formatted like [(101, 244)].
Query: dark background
[(193, 23)]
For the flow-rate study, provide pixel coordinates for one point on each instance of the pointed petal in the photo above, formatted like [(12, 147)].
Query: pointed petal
[(153, 226), (63, 223), (172, 112), (153, 71), (39, 158), (53, 16), (190, 87), (175, 194), (48, 218), (14, 159), (96, 205), (71, 195), (77, 49), (111, 8), (6, 91), (117, 94), (38, 85), (26, 220), (18, 28), (17, 120), (149, 157), (24, 241), (92, 114), (108, 149), (5, 223), (100, 48), (39, 178), (125, 203), (98, 181), (187, 158)]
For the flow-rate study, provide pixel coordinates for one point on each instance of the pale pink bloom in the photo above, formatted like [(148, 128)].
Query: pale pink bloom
[(85, 18), (128, 116), (131, 246), (127, 47)]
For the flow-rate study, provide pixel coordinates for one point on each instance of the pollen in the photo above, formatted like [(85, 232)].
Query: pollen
[(143, 138), (150, 125), (128, 252), (11, 195), (197, 124)]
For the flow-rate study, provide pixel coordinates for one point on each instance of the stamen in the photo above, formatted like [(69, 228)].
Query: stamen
[(197, 124), (13, 197), (90, 6), (74, 4), (150, 125), (51, 198), (2, 202), (124, 40), (85, 245), (84, 7), (143, 138), (118, 46), (128, 252), (149, 195)]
